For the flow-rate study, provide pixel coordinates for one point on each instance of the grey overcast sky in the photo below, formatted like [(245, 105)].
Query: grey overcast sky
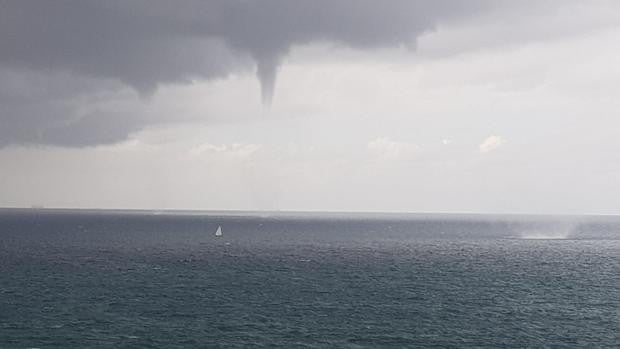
[(434, 106)]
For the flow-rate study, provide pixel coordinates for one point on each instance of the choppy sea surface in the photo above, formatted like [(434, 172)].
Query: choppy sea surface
[(103, 279)]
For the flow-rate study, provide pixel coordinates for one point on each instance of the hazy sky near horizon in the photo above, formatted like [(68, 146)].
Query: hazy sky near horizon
[(443, 106)]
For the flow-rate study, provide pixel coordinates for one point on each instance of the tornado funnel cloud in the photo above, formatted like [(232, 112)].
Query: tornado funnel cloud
[(266, 71)]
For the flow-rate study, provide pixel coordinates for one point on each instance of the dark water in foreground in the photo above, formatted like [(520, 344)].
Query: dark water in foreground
[(114, 280)]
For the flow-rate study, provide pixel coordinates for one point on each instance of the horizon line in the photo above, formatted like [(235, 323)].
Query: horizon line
[(294, 211)]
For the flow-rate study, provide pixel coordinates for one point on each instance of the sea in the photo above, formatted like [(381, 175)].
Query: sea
[(162, 279)]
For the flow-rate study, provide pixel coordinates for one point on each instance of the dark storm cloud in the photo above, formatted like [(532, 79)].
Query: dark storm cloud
[(147, 43)]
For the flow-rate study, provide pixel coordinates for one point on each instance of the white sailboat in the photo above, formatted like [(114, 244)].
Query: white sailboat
[(218, 232)]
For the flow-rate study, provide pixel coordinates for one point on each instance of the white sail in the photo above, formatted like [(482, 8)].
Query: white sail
[(219, 231)]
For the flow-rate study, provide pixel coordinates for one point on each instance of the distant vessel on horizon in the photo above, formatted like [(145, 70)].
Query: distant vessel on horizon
[(218, 232)]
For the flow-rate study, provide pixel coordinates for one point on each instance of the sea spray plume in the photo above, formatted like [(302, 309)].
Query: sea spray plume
[(560, 229)]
